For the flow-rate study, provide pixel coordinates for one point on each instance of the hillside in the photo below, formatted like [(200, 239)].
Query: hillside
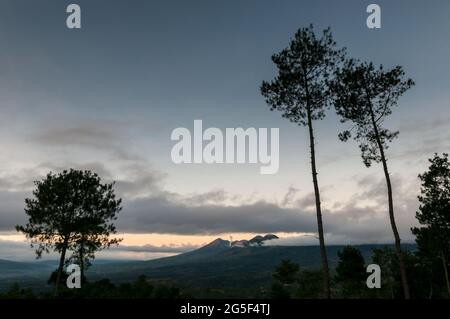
[(217, 268)]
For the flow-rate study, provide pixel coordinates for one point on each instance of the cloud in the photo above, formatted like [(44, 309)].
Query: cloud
[(14, 250), (167, 214), (362, 219), (149, 208), (140, 180), (419, 126), (208, 198), (11, 209), (422, 138), (21, 251), (156, 249), (103, 135), (290, 195)]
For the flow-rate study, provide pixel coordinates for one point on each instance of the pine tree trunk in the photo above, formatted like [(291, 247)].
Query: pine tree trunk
[(323, 253), (60, 268), (444, 264), (82, 260), (398, 247)]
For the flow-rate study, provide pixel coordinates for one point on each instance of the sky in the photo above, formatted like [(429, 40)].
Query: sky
[(107, 97)]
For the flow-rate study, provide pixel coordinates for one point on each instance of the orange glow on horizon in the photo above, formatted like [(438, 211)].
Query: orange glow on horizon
[(164, 239)]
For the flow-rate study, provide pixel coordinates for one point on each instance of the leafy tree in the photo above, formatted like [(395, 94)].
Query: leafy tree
[(100, 289), (166, 292), (291, 282), (365, 95), (433, 238), (69, 209), (309, 284), (141, 288), (300, 92), (15, 292), (350, 271), (429, 254), (54, 276), (286, 272), (94, 236), (285, 275), (279, 291), (422, 287), (386, 258)]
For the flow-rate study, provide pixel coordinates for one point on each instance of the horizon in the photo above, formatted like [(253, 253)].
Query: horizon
[(149, 252)]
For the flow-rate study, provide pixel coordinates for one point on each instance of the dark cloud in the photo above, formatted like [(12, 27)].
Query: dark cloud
[(148, 208), (364, 218), (166, 214), (110, 136), (290, 195), (141, 180), (11, 209), (214, 196), (355, 220)]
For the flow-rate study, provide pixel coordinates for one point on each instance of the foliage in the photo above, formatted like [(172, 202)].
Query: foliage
[(73, 211), (309, 284), (304, 68), (433, 238), (300, 92), (292, 282), (350, 271), (366, 95), (286, 272), (141, 288), (15, 292)]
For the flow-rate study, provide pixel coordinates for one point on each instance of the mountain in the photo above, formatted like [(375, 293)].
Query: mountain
[(217, 244), (218, 270), (214, 270), (255, 241), (30, 274), (15, 269)]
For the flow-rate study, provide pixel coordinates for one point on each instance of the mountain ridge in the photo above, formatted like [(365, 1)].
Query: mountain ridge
[(213, 266)]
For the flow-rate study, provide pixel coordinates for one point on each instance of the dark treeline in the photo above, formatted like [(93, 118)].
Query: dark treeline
[(426, 268), (142, 288), (427, 277)]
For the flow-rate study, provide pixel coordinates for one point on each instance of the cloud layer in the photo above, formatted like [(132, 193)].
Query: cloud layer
[(148, 208)]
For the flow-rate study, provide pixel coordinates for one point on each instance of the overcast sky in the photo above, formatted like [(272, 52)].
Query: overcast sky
[(108, 96)]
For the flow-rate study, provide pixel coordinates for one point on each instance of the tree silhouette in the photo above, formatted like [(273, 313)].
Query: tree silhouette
[(96, 223), (386, 258), (286, 277), (93, 237), (434, 212), (365, 95), (434, 268), (286, 272), (350, 270), (70, 210), (300, 92)]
